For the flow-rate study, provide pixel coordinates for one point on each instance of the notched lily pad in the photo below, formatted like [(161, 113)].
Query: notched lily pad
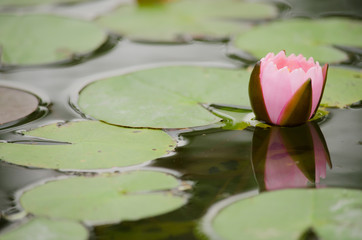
[(88, 145), (180, 20), (46, 229), (312, 38), (166, 97), (289, 214), (48, 39), (105, 199), (16, 104)]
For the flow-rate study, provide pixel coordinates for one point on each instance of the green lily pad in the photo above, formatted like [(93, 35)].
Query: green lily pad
[(312, 38), (233, 119), (46, 229), (16, 104), (174, 20), (171, 97), (93, 145), (20, 3), (166, 97), (105, 199), (344, 87), (42, 39), (289, 214)]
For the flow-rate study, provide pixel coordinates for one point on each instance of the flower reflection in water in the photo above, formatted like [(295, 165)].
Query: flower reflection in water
[(289, 157)]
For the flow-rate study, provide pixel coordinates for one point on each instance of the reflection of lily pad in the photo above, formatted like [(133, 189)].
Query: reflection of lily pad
[(329, 213), (41, 39), (309, 37), (167, 97), (344, 87), (16, 104), (46, 229), (212, 18), (18, 3), (105, 199), (93, 145)]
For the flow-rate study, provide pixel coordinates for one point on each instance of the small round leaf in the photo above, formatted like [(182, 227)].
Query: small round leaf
[(105, 199), (42, 39), (88, 145), (170, 21), (16, 104), (311, 38), (166, 97), (289, 214), (46, 229)]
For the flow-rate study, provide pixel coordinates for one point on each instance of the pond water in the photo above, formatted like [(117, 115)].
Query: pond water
[(217, 162)]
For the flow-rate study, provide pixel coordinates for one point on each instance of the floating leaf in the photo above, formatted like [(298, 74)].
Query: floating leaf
[(171, 21), (170, 97), (312, 38), (233, 119), (289, 214), (105, 199), (93, 145), (344, 87), (19, 3), (16, 104), (41, 39), (166, 97), (46, 229)]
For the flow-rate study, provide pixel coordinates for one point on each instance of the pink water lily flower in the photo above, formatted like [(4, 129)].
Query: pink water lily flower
[(286, 91)]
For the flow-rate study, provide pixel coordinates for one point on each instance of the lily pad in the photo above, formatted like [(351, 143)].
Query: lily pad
[(166, 97), (88, 145), (48, 38), (289, 214), (46, 229), (344, 87), (171, 97), (105, 199), (16, 104), (174, 20), (312, 38), (21, 3)]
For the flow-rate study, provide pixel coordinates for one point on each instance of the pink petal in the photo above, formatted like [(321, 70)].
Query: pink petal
[(300, 57), (315, 73), (280, 60), (268, 57), (276, 89), (297, 78)]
